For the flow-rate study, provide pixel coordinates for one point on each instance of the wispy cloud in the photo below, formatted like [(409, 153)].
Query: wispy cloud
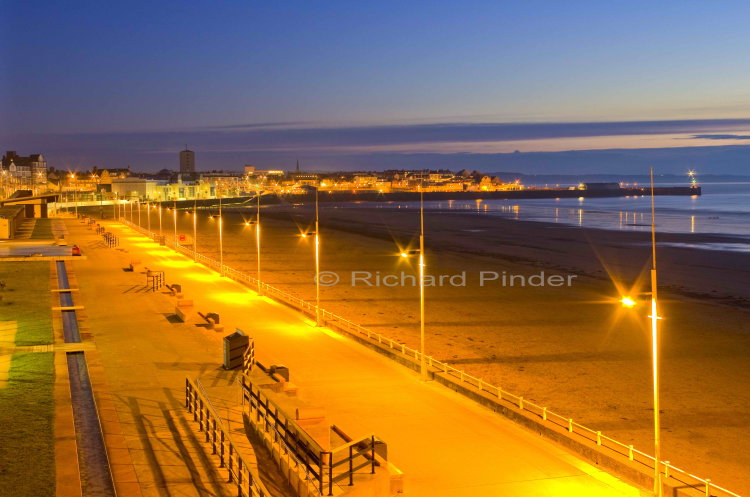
[(721, 137)]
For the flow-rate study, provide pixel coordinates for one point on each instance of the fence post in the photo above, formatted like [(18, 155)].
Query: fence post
[(598, 438), (708, 487), (630, 452), (570, 425), (351, 466), (372, 470), (544, 413)]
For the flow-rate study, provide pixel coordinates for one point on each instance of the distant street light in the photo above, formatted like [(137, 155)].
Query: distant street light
[(174, 217), (161, 233), (316, 233), (221, 241), (256, 222), (195, 229)]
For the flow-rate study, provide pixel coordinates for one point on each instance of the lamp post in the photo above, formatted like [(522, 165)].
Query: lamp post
[(655, 348), (257, 242), (628, 302), (421, 265), (256, 222), (161, 233), (221, 242), (195, 229), (139, 212), (148, 215), (317, 261), (174, 218)]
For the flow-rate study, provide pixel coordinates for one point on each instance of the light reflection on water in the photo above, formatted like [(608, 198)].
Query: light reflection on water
[(723, 209)]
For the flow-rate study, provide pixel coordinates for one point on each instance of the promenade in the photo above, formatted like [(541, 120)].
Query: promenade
[(444, 443)]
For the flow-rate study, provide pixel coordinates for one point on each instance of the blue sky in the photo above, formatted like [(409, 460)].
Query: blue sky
[(151, 76)]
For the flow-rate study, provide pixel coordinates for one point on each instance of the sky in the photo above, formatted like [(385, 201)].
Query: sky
[(371, 84)]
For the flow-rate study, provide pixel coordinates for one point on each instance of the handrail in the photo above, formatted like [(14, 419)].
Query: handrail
[(518, 402), (316, 478), (247, 480)]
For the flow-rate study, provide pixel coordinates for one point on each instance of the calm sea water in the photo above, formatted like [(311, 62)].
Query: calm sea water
[(723, 209)]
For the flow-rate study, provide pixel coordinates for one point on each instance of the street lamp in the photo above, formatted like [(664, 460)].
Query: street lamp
[(628, 302), (174, 218), (160, 225), (256, 222), (420, 252), (195, 229), (221, 241), (316, 233)]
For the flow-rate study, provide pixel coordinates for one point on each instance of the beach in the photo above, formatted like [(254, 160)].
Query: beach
[(574, 348)]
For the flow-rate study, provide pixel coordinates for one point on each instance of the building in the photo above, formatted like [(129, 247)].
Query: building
[(30, 172), (187, 162)]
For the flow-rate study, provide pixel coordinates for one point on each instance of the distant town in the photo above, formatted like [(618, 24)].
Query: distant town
[(32, 173)]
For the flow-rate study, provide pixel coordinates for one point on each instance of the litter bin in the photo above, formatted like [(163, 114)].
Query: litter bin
[(234, 349)]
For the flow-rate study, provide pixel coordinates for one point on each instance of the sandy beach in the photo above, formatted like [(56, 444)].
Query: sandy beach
[(571, 348)]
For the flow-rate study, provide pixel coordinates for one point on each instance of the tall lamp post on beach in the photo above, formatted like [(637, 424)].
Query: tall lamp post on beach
[(316, 233), (655, 342), (221, 241), (256, 222), (420, 252)]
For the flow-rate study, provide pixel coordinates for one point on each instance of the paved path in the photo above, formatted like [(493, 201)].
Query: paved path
[(445, 444), (144, 360)]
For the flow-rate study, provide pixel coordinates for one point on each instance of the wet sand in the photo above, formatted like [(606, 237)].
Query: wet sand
[(573, 349)]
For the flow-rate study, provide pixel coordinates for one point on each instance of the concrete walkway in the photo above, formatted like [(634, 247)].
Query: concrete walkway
[(444, 443), (142, 360)]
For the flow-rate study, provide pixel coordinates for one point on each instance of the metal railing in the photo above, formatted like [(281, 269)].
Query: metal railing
[(703, 485), (246, 479), (302, 453)]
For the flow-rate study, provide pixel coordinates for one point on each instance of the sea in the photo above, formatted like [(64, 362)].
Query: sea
[(722, 209)]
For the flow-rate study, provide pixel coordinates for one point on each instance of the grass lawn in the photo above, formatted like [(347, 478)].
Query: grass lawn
[(26, 299), (27, 451)]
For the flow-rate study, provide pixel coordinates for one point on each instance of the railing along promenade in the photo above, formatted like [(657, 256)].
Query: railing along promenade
[(704, 485), (242, 474)]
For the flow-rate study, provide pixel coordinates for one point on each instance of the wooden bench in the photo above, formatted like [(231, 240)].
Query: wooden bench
[(175, 290), (184, 310), (213, 321)]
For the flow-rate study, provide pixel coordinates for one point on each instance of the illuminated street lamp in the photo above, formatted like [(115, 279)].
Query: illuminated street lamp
[(160, 225), (628, 302), (221, 241), (256, 222), (195, 229), (318, 319), (174, 218), (139, 212), (420, 252)]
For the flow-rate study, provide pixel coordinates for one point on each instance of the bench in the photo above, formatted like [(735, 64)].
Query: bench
[(175, 290), (183, 310), (213, 321)]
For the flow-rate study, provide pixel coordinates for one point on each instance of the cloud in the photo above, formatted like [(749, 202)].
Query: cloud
[(721, 137)]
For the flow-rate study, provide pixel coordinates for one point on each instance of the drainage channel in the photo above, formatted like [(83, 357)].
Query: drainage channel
[(96, 477)]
